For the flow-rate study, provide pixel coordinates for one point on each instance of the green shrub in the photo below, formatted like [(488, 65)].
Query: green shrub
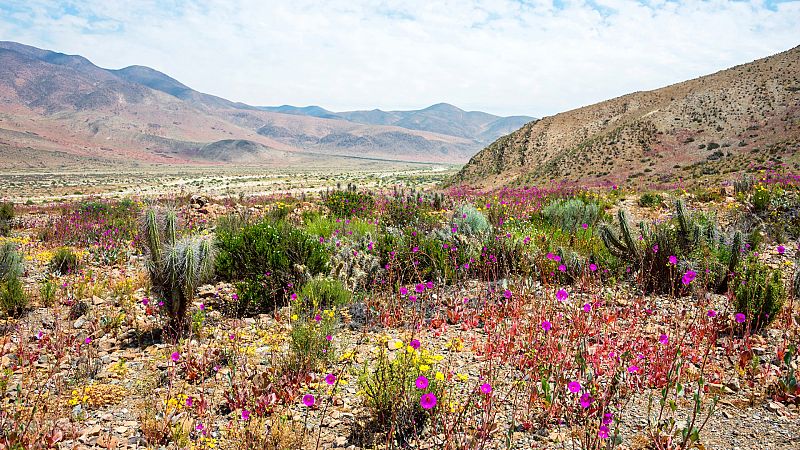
[(269, 261), (572, 213), (6, 211), (470, 221), (349, 203), (761, 198), (760, 293), (309, 346), (320, 294), (13, 300), (650, 199), (64, 261), (176, 266), (47, 292)]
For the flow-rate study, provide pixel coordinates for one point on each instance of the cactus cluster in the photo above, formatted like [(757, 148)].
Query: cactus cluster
[(356, 268), (743, 185), (176, 266), (682, 238)]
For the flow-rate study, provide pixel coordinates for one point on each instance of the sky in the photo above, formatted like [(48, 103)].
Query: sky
[(505, 57)]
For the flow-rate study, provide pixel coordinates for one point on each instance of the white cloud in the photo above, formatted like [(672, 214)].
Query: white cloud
[(501, 56)]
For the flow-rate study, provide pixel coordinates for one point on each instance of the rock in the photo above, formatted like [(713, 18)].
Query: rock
[(775, 407), (341, 441), (92, 431), (79, 323), (97, 300)]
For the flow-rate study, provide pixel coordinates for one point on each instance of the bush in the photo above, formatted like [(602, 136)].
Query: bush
[(571, 214), (13, 300), (6, 214), (64, 261), (760, 293), (761, 199), (320, 294), (309, 347), (349, 203), (650, 199), (470, 221), (269, 261)]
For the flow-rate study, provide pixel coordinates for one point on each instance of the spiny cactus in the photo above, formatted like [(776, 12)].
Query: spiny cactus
[(623, 247), (177, 266), (744, 185)]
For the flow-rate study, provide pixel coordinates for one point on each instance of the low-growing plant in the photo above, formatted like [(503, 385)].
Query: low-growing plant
[(650, 200), (760, 293), (64, 261), (468, 220), (13, 299), (572, 213)]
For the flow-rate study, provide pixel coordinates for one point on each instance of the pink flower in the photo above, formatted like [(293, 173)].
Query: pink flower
[(421, 382), (561, 295), (39, 335), (308, 400), (189, 402), (608, 418), (663, 339), (587, 307), (486, 388), (562, 268), (655, 248), (245, 414), (429, 284), (673, 259), (711, 313), (602, 432), (420, 288), (330, 379), (781, 249), (427, 401), (88, 340), (145, 301), (413, 298), (585, 226), (403, 291), (586, 400), (593, 267), (175, 356), (507, 294), (688, 277), (633, 369), (574, 387), (546, 326), (415, 250), (415, 344), (293, 296), (317, 317), (328, 338), (740, 318)]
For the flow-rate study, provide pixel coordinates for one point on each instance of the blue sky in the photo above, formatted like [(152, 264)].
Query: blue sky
[(501, 56)]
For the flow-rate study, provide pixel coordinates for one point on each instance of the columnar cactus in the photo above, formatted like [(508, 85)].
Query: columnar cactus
[(177, 266)]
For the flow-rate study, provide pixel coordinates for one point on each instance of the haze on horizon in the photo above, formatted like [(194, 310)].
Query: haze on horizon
[(500, 56)]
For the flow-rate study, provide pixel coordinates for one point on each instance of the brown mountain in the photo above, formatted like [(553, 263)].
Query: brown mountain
[(734, 120), (55, 107)]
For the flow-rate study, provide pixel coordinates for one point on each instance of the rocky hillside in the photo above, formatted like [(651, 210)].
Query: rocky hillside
[(737, 119)]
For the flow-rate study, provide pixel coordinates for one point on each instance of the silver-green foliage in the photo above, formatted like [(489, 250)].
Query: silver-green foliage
[(12, 295), (177, 266), (470, 221)]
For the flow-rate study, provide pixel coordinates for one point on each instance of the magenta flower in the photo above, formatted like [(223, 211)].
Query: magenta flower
[(593, 267), (486, 388), (175, 356), (602, 432), (507, 294), (88, 340), (293, 296), (415, 344), (633, 369), (189, 402), (328, 338), (561, 295), (308, 400), (655, 248), (245, 414), (145, 301), (415, 250), (403, 291), (413, 298), (574, 387), (673, 259), (546, 326), (40, 335), (317, 317), (711, 313), (688, 277), (587, 307), (585, 226), (420, 288), (330, 379), (586, 400), (429, 284), (427, 401), (562, 268), (608, 418), (421, 382), (663, 339), (740, 318), (781, 249)]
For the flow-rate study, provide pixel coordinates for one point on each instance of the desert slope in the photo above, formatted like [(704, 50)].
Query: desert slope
[(737, 119)]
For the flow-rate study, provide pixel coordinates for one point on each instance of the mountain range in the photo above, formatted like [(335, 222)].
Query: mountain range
[(56, 107), (745, 118)]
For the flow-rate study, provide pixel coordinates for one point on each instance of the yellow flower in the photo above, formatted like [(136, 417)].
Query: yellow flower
[(462, 377), (439, 376), (424, 368), (294, 316)]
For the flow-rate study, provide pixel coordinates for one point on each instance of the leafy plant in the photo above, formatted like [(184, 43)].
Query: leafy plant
[(468, 220), (650, 199), (572, 213), (349, 203), (269, 261), (760, 293), (13, 300), (6, 214)]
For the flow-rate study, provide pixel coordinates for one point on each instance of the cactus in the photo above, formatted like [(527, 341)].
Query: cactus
[(623, 247), (176, 266)]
